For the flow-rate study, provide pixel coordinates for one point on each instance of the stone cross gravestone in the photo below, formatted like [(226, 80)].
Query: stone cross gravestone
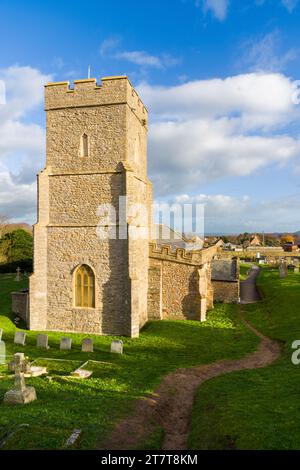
[(87, 345), (117, 347), (2, 352), (65, 344), (20, 394), (42, 342), (18, 276), (20, 338)]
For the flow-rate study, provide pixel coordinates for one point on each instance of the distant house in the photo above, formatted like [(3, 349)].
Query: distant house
[(288, 243), (255, 241), (232, 247)]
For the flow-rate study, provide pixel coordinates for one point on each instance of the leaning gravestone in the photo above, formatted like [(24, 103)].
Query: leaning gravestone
[(65, 344), (2, 352), (42, 342), (87, 345), (20, 338), (20, 394), (117, 347)]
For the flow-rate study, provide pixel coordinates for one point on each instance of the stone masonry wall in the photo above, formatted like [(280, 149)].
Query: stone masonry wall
[(180, 283), (70, 191), (226, 292)]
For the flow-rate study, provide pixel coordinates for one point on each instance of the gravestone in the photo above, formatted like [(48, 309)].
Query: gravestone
[(36, 371), (82, 373), (20, 338), (1, 333), (117, 347), (25, 368), (18, 276), (42, 341), (20, 394), (65, 344), (282, 270), (2, 352), (296, 269), (87, 345)]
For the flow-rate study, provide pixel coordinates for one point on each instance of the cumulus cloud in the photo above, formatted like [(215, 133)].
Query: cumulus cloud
[(21, 141), (209, 129), (226, 214)]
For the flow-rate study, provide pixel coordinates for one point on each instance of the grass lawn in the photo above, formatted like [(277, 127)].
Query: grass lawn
[(244, 270), (94, 405), (257, 409)]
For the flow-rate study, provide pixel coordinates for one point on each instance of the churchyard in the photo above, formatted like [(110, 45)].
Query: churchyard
[(257, 409), (66, 403), (239, 410)]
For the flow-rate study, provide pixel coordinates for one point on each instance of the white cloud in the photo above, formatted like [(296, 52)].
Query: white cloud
[(108, 44), (140, 58), (263, 54), (21, 141), (290, 5), (210, 129), (226, 214), (144, 59), (218, 8)]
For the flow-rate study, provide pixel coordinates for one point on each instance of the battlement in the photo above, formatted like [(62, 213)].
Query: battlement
[(87, 92), (180, 255)]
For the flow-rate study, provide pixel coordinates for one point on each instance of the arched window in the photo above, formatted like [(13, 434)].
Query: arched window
[(84, 287), (84, 145)]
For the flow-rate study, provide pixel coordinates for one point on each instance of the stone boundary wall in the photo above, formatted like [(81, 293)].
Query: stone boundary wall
[(226, 292), (180, 282)]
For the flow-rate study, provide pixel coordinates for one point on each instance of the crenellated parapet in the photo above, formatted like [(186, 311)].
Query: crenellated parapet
[(180, 255), (87, 92)]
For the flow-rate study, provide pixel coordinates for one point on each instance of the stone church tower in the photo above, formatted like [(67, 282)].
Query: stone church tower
[(96, 153)]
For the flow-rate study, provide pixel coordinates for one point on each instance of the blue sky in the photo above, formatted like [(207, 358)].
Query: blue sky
[(219, 79)]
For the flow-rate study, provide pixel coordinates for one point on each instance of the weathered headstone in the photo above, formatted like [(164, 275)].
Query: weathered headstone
[(65, 344), (2, 352), (25, 367), (296, 269), (42, 341), (36, 371), (20, 394), (18, 276), (82, 373), (117, 347), (282, 270), (87, 345), (20, 338)]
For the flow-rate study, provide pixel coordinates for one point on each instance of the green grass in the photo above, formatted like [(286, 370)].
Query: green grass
[(94, 405), (257, 409), (244, 270)]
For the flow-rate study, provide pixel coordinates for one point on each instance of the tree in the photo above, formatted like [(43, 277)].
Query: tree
[(3, 224), (17, 246)]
